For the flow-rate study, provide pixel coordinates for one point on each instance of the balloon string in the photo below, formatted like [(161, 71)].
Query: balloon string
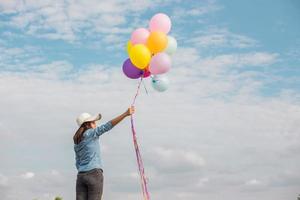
[(137, 150), (145, 87), (137, 91)]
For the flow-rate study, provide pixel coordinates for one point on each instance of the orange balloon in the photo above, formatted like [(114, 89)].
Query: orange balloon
[(157, 41)]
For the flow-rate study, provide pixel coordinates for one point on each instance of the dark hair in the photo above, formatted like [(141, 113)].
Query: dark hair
[(79, 133)]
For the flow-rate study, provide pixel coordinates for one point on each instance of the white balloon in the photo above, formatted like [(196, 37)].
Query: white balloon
[(172, 45), (160, 83)]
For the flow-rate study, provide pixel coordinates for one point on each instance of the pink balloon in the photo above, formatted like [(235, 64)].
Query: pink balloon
[(139, 36), (160, 22), (160, 63)]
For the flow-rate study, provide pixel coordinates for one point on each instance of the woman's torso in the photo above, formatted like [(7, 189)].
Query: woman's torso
[(88, 155)]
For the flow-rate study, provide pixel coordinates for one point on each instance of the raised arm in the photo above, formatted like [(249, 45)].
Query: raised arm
[(109, 125), (118, 119)]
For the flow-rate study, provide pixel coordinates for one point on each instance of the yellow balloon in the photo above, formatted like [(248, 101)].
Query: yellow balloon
[(128, 47), (157, 41), (140, 56)]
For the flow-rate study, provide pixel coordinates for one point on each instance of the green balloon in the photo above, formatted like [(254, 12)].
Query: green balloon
[(160, 83), (172, 45)]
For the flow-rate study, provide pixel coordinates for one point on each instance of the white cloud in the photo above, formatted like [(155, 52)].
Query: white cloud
[(67, 20), (202, 182), (197, 9), (176, 158), (223, 75), (55, 172), (20, 58), (55, 68), (3, 180), (220, 37), (204, 143), (191, 59), (8, 6), (27, 175), (253, 182), (240, 60)]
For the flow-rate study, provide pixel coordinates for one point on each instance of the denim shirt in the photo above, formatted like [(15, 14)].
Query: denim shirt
[(88, 155)]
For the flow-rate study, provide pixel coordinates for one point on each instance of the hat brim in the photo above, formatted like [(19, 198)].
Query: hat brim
[(93, 118)]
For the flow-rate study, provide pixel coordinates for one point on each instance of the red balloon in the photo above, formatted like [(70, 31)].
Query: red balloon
[(147, 73)]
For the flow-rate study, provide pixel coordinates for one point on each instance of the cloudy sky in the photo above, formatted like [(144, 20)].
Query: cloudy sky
[(228, 127)]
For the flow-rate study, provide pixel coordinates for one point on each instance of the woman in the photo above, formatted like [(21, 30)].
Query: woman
[(89, 183)]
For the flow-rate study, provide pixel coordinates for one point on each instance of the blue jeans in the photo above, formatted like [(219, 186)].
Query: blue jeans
[(89, 185)]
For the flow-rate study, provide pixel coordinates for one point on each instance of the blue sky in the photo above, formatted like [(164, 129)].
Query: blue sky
[(269, 26), (228, 125)]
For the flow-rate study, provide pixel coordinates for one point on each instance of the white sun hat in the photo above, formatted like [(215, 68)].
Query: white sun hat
[(86, 117)]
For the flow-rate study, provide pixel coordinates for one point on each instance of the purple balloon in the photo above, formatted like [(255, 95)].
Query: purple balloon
[(131, 71)]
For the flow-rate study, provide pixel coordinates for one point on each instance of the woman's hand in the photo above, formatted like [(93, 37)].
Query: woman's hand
[(117, 120), (130, 111)]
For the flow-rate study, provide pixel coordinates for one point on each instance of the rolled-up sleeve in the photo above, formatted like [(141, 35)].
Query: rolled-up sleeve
[(99, 130)]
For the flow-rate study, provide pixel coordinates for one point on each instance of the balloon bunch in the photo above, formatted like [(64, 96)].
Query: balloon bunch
[(149, 52)]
